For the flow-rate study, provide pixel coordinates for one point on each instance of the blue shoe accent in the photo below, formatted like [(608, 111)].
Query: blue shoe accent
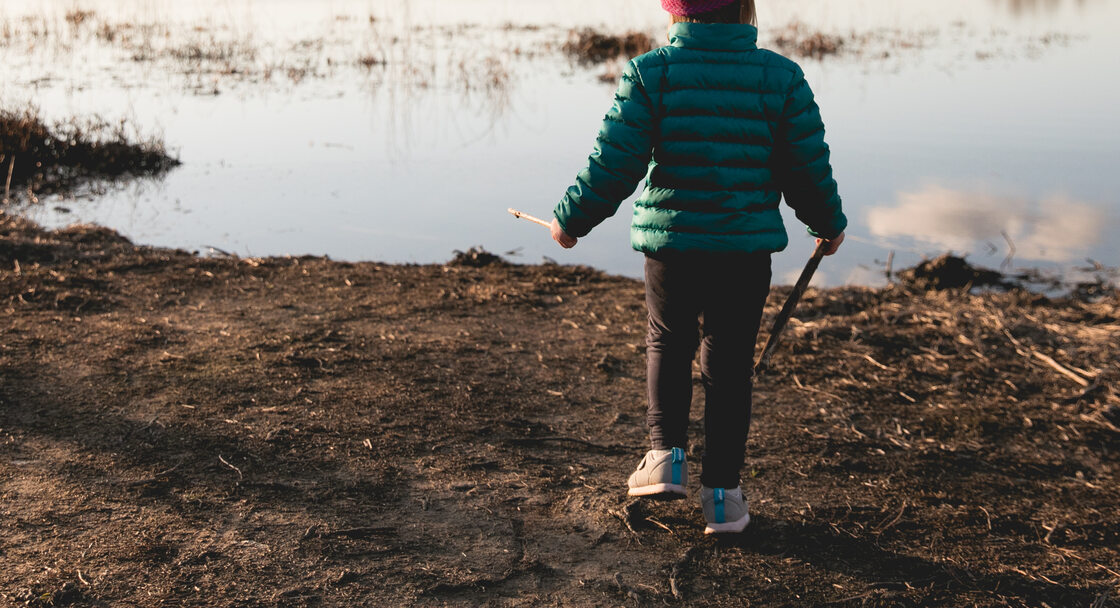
[(678, 461), (717, 495)]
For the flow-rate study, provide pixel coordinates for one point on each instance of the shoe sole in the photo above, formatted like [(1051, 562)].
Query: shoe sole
[(730, 527), (662, 490)]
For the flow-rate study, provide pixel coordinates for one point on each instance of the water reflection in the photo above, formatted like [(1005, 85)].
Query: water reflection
[(1053, 229)]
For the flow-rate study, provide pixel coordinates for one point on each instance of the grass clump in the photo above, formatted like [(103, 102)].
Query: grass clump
[(591, 46), (798, 40), (36, 157)]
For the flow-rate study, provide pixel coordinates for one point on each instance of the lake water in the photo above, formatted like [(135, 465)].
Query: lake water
[(961, 125)]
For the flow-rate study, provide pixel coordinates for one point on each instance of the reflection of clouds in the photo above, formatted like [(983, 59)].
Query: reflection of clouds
[(1056, 229)]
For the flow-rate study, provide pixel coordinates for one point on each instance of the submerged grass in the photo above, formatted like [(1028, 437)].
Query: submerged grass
[(36, 157), (209, 56)]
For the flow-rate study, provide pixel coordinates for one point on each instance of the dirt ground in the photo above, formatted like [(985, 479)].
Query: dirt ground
[(178, 430)]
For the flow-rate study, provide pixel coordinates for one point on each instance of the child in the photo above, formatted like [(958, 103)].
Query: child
[(722, 131)]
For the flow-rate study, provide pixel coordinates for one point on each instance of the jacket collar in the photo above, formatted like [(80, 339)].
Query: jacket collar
[(714, 36)]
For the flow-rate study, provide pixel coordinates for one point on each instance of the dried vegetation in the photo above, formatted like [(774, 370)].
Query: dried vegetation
[(592, 46), (798, 40)]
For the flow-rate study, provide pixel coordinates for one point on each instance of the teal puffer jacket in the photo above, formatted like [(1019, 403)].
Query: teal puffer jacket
[(721, 130)]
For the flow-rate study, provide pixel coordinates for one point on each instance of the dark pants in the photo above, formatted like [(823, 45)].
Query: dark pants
[(728, 293)]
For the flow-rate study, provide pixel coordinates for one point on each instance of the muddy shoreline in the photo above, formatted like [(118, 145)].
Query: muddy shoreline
[(177, 430)]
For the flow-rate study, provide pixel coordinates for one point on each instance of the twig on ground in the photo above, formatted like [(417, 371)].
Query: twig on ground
[(239, 475), (1050, 530), (1019, 348), (1071, 553), (879, 365), (1098, 418), (810, 389), (660, 525), (166, 471), (1060, 368), (1033, 577), (886, 526), (989, 516)]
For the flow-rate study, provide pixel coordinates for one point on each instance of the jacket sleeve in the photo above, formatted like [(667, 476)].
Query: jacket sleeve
[(802, 169), (618, 162)]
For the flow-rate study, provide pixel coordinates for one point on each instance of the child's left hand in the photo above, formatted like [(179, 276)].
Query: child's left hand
[(558, 235)]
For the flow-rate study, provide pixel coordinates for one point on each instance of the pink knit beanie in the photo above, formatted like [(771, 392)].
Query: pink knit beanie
[(687, 8)]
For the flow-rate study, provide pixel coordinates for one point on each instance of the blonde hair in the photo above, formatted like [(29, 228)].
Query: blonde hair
[(742, 11)]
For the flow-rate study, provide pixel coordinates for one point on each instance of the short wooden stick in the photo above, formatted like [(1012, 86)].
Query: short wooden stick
[(526, 216)]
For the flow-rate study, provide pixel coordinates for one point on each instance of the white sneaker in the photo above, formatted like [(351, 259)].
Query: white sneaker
[(725, 510), (660, 472)]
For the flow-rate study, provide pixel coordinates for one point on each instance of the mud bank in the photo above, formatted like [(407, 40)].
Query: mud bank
[(177, 430)]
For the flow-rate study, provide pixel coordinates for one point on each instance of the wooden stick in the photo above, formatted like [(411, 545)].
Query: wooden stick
[(1041, 357), (787, 309), (225, 462), (8, 182), (526, 216), (1058, 367)]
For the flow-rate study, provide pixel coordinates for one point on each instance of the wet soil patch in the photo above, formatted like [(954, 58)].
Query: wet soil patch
[(179, 430)]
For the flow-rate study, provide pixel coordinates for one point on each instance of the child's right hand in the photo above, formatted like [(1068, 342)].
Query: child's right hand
[(558, 235), (833, 244)]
